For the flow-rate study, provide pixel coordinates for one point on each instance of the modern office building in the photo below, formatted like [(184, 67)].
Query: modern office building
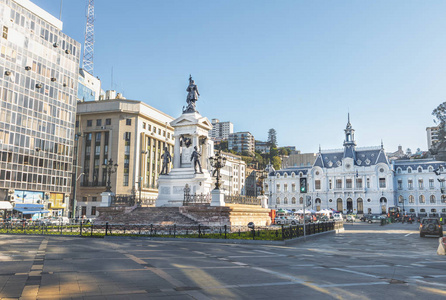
[(233, 174), (130, 133), (38, 84), (89, 87), (220, 130), (432, 136), (241, 141)]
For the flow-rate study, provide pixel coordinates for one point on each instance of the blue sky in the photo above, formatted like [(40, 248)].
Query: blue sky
[(296, 66)]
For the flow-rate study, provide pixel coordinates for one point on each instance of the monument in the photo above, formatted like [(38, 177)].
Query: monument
[(192, 151)]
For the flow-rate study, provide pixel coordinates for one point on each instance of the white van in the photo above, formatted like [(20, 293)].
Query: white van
[(337, 216)]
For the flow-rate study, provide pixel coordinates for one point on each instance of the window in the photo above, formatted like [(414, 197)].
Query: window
[(301, 200), (285, 175), (420, 170), (411, 199), (398, 170), (99, 122), (330, 184), (107, 121), (278, 187), (382, 183), (266, 187), (443, 198), (421, 199), (317, 184), (410, 184), (278, 201), (293, 187), (339, 183), (409, 170), (278, 176), (285, 200), (431, 183), (348, 184), (128, 122), (143, 125), (293, 200), (368, 183), (5, 32), (89, 123), (94, 199), (93, 210), (420, 184), (285, 187), (400, 184), (432, 199), (359, 183)]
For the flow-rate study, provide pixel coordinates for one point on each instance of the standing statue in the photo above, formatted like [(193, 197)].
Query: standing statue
[(166, 160), (192, 95), (196, 157)]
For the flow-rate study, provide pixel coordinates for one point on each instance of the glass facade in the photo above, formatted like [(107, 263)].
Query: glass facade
[(38, 87)]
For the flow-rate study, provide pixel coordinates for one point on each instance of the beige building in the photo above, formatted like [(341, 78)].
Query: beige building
[(298, 159), (133, 135)]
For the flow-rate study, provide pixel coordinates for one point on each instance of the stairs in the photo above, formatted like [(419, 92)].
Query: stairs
[(144, 215)]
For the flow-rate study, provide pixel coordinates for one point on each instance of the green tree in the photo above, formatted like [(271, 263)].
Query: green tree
[(277, 163), (223, 145), (440, 115), (272, 137)]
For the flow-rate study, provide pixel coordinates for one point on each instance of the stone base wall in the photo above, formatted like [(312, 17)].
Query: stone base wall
[(235, 215)]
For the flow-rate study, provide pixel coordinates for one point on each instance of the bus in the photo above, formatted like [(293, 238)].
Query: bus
[(394, 212)]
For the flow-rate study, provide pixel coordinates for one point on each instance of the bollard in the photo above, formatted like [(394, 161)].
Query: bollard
[(225, 231), (174, 230), (80, 231), (106, 228)]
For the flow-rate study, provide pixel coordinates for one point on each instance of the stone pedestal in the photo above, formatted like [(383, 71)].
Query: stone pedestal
[(264, 201), (106, 199), (218, 198), (191, 130)]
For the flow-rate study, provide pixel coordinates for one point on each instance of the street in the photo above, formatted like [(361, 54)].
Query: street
[(366, 261)]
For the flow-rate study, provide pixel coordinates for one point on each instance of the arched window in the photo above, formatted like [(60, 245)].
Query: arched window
[(400, 199), (301, 200), (317, 201), (278, 200), (433, 210), (412, 210), (420, 170), (431, 169), (285, 175), (409, 170), (443, 198), (285, 200), (293, 200), (432, 199), (422, 210), (411, 199), (278, 175), (300, 174), (398, 170), (293, 175), (421, 199), (285, 187)]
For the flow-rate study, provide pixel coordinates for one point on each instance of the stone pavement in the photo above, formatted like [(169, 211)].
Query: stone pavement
[(367, 261)]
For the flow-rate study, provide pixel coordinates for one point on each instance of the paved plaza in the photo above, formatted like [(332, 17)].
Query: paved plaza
[(366, 261)]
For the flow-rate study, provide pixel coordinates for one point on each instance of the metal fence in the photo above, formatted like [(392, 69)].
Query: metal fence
[(278, 233), (239, 199), (196, 199)]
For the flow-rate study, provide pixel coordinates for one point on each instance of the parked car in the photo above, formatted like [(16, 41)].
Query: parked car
[(350, 219), (375, 219), (431, 226)]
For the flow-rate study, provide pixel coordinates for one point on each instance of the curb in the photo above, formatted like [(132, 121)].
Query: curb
[(228, 241)]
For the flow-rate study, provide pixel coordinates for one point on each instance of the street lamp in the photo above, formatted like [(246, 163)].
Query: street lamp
[(110, 168), (217, 163)]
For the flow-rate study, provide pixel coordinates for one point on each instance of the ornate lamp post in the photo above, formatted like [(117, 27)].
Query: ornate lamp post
[(110, 168), (217, 163)]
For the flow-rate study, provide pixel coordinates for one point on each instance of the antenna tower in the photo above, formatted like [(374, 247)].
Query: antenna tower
[(87, 62)]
